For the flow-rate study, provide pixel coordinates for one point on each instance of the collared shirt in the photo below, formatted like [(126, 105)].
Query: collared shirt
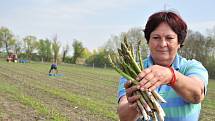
[(176, 108)]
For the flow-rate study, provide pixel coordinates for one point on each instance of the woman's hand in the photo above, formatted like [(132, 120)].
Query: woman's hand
[(131, 97), (153, 77), (127, 109)]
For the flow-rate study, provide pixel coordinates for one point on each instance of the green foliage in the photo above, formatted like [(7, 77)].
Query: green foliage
[(35, 57), (85, 53), (68, 59), (201, 48), (3, 54), (98, 59), (1, 44), (44, 50), (211, 67), (6, 38), (78, 50), (30, 45), (22, 56)]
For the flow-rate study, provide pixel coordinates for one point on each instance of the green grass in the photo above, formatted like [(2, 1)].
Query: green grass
[(29, 101), (83, 93), (92, 91), (1, 115), (208, 105)]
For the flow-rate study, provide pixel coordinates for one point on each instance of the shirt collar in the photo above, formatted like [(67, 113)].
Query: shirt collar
[(175, 64)]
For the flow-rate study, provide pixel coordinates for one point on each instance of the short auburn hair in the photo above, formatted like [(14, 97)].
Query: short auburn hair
[(176, 23)]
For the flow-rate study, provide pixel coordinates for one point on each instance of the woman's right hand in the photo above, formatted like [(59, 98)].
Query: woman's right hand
[(127, 109), (130, 94)]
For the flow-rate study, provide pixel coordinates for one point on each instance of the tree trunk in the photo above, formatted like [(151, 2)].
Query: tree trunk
[(6, 46)]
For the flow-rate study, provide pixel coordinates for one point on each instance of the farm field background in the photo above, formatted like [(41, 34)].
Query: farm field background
[(27, 93)]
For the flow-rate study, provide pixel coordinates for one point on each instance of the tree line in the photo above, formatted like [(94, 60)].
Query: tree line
[(48, 50), (197, 46)]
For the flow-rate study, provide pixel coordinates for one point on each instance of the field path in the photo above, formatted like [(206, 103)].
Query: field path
[(11, 110), (27, 93), (73, 97)]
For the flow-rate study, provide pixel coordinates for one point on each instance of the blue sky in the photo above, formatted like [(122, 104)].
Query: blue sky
[(94, 21)]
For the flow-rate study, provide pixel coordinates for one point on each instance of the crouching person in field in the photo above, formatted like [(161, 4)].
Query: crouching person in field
[(53, 68)]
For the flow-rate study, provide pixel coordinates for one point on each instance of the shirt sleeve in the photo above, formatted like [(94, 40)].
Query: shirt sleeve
[(121, 88), (195, 68)]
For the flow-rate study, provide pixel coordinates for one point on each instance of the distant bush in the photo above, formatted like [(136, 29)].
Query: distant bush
[(3, 54), (98, 59), (22, 56)]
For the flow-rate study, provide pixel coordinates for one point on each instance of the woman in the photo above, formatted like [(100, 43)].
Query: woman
[(181, 82)]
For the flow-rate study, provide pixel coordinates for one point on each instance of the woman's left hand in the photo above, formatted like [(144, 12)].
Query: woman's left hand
[(153, 77)]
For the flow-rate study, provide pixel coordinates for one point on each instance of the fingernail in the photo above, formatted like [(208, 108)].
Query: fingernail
[(142, 88)]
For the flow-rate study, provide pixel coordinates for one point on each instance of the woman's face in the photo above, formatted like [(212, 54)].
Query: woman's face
[(163, 44)]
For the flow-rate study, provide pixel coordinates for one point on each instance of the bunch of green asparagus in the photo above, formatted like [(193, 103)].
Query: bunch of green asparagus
[(125, 64)]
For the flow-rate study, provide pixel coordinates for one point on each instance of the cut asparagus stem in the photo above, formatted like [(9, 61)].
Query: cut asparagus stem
[(143, 102), (143, 111), (154, 116), (158, 97), (147, 99), (157, 106)]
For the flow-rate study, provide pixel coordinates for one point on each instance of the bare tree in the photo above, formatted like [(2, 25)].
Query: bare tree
[(55, 48), (65, 51)]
